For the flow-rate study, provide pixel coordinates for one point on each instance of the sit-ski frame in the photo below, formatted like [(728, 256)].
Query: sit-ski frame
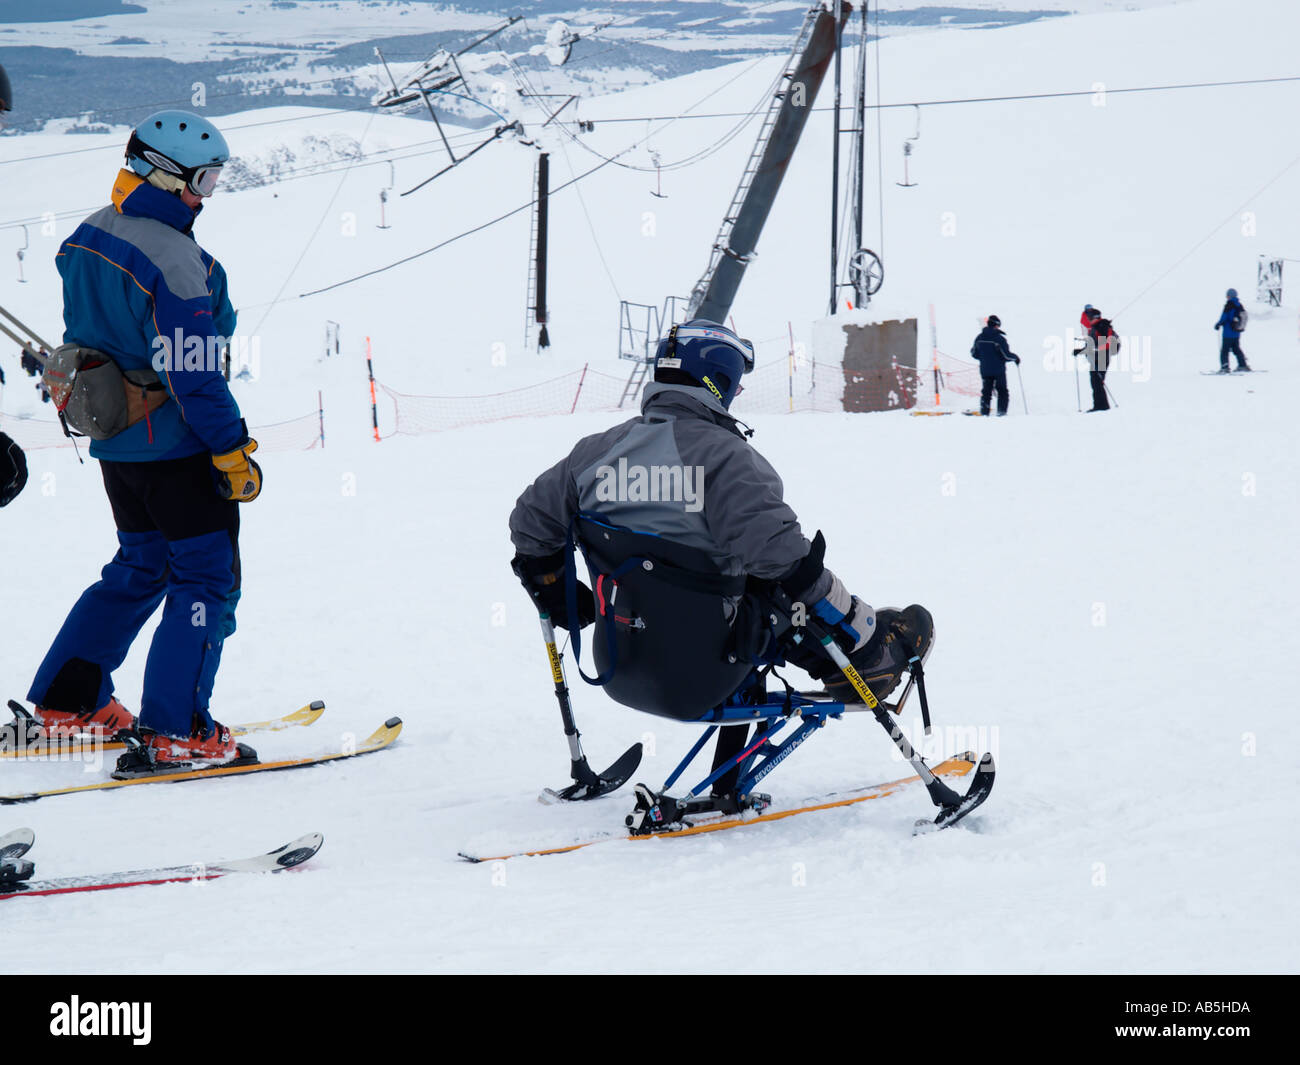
[(760, 755)]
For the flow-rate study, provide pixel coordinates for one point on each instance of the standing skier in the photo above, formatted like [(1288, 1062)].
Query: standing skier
[(1233, 322), (731, 531), (139, 290), (1102, 345), (993, 353)]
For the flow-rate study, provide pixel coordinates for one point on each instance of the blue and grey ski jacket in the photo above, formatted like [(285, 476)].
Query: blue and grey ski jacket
[(732, 507), (136, 285)]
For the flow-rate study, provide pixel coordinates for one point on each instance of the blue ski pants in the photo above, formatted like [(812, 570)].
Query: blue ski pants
[(178, 546)]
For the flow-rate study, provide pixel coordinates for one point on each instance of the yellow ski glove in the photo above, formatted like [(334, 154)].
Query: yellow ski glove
[(239, 477)]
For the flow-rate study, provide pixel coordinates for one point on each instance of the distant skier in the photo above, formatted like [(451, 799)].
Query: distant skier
[(727, 532), (993, 353), (1233, 323), (137, 289), (1103, 344)]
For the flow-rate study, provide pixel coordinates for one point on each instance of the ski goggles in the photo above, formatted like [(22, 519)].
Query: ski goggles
[(200, 180), (204, 179), (684, 332)]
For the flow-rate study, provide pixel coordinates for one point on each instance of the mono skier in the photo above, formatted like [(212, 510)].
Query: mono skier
[(664, 623), (135, 280), (1232, 321), (993, 353)]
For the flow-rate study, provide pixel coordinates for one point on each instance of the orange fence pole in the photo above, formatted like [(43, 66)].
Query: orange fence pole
[(374, 406)]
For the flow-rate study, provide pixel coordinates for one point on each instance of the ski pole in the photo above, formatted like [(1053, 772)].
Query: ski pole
[(26, 329), (1022, 387), (1078, 396), (587, 784)]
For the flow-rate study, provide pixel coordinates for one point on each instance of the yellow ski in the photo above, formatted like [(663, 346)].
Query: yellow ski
[(952, 767), (379, 739), (79, 744)]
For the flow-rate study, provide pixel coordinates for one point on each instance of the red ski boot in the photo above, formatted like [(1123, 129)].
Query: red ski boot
[(155, 752), (103, 723)]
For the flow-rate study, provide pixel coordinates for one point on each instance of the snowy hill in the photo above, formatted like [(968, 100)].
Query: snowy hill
[(1113, 593)]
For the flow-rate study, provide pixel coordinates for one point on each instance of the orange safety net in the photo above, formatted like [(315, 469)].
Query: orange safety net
[(579, 391)]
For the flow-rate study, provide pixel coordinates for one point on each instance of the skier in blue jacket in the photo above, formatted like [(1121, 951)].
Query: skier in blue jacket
[(139, 289), (1231, 333), (993, 353)]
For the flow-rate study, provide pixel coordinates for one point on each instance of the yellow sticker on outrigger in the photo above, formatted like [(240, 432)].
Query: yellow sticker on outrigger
[(860, 685), (557, 673)]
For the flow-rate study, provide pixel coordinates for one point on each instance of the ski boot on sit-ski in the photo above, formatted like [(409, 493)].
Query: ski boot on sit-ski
[(149, 753), (662, 813), (902, 637)]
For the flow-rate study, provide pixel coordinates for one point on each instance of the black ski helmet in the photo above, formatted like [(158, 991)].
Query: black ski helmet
[(994, 321), (701, 352)]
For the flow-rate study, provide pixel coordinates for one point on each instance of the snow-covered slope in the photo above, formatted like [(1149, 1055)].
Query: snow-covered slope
[(1113, 594)]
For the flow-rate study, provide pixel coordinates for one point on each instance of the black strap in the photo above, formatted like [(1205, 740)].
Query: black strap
[(919, 673), (571, 608)]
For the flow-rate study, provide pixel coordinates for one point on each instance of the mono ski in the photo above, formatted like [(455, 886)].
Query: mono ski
[(959, 766)]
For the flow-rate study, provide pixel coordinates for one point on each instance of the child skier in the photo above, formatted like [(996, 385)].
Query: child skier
[(1233, 322)]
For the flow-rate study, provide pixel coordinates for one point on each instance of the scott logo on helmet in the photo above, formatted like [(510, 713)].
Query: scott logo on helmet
[(713, 388), (633, 483)]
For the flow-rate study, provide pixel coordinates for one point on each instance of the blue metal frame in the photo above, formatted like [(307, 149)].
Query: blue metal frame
[(760, 755)]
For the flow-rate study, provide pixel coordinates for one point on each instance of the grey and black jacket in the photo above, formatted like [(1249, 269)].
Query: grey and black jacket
[(683, 470)]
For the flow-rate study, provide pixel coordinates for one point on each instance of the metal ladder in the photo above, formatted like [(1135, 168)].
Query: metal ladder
[(634, 343), (640, 344), (635, 381), (722, 243)]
